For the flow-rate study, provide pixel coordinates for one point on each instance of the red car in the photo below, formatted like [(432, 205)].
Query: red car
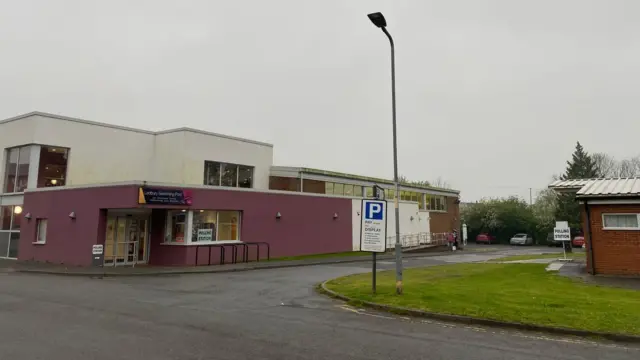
[(485, 239), (578, 241)]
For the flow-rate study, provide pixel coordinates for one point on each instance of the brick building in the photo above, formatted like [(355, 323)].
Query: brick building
[(610, 211)]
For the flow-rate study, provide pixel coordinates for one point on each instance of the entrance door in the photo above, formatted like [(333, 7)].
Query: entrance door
[(126, 241)]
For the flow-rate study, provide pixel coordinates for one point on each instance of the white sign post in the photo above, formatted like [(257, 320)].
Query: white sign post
[(562, 232), (373, 231)]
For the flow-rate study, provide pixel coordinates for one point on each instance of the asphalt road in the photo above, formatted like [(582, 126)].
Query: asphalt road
[(270, 314)]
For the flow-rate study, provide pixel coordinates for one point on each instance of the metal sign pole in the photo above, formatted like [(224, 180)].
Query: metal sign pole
[(373, 272)]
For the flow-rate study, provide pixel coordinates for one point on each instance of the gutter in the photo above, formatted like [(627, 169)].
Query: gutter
[(591, 257)]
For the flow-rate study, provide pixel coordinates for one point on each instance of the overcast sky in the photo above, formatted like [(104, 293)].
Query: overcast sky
[(492, 95)]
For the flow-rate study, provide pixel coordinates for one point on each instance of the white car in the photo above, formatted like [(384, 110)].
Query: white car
[(521, 239)]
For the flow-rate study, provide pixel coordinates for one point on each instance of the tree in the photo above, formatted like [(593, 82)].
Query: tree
[(403, 180), (441, 183), (499, 217), (581, 166), (607, 166), (544, 212)]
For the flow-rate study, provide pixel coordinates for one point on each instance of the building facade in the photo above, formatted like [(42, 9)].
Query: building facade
[(440, 206), (174, 197), (610, 213)]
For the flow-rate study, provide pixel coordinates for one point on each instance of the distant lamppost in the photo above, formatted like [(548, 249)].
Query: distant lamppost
[(378, 20)]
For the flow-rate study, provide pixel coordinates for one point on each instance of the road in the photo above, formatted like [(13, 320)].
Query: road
[(270, 314)]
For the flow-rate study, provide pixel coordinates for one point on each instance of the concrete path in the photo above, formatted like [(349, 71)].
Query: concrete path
[(267, 314)]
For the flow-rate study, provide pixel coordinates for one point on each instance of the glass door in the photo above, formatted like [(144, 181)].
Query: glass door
[(126, 240)]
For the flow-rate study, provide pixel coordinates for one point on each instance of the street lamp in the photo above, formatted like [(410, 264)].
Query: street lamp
[(378, 20)]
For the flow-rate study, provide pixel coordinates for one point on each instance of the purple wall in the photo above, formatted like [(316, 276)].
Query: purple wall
[(307, 225), (69, 241)]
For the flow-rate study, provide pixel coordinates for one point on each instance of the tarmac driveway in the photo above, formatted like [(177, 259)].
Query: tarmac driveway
[(268, 314)]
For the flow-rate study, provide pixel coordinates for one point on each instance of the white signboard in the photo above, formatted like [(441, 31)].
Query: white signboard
[(373, 226), (97, 249), (205, 234), (562, 234)]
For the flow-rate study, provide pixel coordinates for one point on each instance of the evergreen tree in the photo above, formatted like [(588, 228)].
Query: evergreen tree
[(581, 166)]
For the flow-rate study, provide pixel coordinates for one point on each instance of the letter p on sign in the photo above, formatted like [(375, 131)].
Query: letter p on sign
[(373, 211)]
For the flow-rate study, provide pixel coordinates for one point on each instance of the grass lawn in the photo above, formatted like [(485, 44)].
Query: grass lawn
[(571, 255), (322, 256), (523, 293)]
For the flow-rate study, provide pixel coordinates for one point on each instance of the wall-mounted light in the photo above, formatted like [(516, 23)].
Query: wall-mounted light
[(278, 215), (411, 218), (27, 216), (72, 215), (358, 213), (335, 215)]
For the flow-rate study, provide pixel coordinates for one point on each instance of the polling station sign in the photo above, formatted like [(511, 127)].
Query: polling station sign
[(373, 226)]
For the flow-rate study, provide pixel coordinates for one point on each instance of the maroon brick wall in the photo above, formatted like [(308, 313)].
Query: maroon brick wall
[(307, 225), (616, 252)]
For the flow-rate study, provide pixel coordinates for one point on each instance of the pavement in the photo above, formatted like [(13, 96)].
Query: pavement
[(264, 314)]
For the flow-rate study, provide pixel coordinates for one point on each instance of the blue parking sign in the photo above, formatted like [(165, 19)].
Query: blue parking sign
[(374, 210), (373, 226)]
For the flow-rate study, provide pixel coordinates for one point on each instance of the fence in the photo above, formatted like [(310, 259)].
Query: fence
[(418, 239)]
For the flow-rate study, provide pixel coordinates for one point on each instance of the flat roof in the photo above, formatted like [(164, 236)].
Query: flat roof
[(288, 171), (126, 128)]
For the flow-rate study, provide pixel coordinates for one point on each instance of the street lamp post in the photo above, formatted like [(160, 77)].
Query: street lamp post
[(378, 20)]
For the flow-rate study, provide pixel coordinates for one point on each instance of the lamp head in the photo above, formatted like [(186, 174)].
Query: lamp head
[(378, 19)]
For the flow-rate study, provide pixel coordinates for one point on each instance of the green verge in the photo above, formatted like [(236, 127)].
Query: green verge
[(571, 255), (523, 293), (322, 256)]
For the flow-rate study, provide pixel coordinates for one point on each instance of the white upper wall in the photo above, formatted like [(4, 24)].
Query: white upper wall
[(102, 153)]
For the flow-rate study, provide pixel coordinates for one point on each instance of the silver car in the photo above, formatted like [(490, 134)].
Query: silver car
[(521, 239)]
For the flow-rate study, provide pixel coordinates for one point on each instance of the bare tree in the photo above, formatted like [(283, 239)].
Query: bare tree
[(605, 165), (440, 183), (608, 166)]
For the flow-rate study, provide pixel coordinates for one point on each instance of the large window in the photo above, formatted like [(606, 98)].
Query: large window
[(52, 169), (17, 169), (436, 203), (621, 221), (204, 226), (230, 175), (10, 218), (176, 226)]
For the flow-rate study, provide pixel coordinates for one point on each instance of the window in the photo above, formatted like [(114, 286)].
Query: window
[(621, 221), (348, 190), (328, 188), (421, 201), (17, 169), (338, 189), (436, 203), (211, 173), (245, 176), (369, 191), (390, 194), (230, 175), (52, 169), (228, 222), (357, 190), (176, 226), (41, 231), (204, 226), (10, 218)]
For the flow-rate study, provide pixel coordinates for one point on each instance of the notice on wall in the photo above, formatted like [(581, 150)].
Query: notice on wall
[(97, 255), (205, 235), (373, 226)]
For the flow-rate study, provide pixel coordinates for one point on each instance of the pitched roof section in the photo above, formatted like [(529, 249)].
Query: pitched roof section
[(612, 187)]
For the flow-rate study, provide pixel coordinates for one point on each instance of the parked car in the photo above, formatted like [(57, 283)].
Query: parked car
[(578, 241), (485, 239), (551, 241), (521, 239)]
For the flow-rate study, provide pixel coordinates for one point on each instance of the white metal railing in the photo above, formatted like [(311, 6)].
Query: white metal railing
[(418, 239)]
